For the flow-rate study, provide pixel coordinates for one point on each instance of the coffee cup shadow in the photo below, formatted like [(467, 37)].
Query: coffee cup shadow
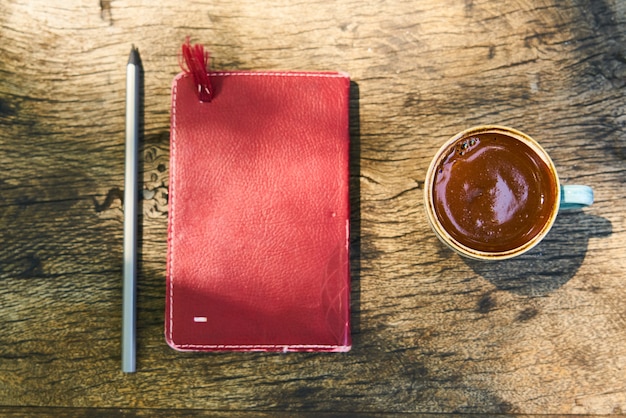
[(552, 263)]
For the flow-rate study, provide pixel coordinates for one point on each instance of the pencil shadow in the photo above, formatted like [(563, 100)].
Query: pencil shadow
[(553, 262), (140, 187), (355, 210)]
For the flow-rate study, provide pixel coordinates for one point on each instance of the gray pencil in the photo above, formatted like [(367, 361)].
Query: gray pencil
[(130, 212)]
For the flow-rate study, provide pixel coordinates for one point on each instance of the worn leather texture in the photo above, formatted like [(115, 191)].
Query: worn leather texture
[(259, 214)]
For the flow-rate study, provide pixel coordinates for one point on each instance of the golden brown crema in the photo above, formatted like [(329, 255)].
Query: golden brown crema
[(493, 192)]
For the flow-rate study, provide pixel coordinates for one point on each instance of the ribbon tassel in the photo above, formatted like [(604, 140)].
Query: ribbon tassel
[(194, 61)]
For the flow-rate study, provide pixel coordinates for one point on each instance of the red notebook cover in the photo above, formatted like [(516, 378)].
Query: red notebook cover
[(259, 213)]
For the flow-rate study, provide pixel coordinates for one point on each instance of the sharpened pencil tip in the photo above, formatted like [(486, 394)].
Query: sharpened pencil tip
[(133, 58)]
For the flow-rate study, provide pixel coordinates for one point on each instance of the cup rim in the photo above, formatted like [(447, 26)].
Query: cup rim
[(441, 232)]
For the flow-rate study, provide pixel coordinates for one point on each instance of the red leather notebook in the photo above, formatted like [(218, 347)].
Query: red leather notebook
[(259, 213)]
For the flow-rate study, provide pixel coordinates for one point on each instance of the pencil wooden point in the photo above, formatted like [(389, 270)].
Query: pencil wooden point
[(133, 57)]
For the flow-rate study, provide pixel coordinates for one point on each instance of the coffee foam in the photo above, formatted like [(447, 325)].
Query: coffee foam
[(493, 192)]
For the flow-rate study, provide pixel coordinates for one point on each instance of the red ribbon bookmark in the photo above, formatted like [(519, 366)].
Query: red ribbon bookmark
[(194, 61)]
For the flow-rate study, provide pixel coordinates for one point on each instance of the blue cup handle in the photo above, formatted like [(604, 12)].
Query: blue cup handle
[(575, 196)]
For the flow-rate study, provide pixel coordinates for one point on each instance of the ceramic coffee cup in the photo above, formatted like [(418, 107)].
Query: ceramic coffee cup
[(492, 193)]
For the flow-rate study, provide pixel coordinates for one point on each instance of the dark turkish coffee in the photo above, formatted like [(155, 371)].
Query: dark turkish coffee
[(492, 192)]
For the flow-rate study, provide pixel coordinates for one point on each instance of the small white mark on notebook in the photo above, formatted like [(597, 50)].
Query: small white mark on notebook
[(200, 319)]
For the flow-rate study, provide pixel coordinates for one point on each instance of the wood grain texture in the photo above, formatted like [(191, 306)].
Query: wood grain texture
[(541, 334)]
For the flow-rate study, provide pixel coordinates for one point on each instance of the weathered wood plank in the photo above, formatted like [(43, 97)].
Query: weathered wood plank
[(432, 333)]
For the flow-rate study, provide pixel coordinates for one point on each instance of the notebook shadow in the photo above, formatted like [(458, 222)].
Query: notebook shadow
[(552, 263), (355, 209)]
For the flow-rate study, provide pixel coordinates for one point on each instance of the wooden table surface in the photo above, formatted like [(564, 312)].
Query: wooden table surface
[(541, 334)]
